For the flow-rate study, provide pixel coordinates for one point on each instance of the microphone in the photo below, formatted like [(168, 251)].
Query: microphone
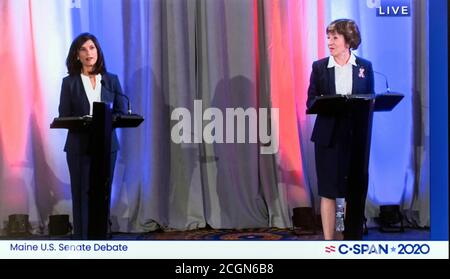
[(115, 92), (388, 90)]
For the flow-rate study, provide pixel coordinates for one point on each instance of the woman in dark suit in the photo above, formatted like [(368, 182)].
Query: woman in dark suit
[(87, 82), (339, 175)]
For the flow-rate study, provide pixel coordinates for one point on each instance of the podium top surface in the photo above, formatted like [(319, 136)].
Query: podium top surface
[(83, 122), (387, 101), (71, 122), (333, 103), (127, 120)]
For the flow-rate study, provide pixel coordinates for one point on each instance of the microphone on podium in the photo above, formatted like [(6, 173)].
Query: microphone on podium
[(388, 90), (388, 100), (115, 92)]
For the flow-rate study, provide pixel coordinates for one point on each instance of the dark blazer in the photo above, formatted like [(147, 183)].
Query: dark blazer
[(74, 102), (322, 82)]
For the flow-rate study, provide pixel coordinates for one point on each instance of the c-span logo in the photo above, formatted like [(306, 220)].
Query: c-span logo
[(390, 7), (381, 248)]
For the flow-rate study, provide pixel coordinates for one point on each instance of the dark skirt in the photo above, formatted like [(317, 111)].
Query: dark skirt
[(333, 161), (343, 164), (332, 170)]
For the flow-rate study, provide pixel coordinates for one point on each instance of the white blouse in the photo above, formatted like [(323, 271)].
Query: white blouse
[(93, 95), (343, 75)]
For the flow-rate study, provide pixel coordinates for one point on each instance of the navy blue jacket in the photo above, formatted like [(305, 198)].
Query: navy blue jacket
[(322, 82), (74, 102)]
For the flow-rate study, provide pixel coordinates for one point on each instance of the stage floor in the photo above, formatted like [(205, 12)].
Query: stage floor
[(266, 234)]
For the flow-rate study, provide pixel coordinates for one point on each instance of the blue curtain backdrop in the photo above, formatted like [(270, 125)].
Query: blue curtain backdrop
[(223, 52)]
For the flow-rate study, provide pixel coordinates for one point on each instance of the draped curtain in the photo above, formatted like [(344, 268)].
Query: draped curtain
[(199, 55)]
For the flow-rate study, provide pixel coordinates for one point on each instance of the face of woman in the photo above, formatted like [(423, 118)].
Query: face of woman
[(336, 44), (88, 54)]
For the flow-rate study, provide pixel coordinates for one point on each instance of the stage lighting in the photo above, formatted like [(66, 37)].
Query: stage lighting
[(59, 225), (303, 220), (18, 225), (391, 219)]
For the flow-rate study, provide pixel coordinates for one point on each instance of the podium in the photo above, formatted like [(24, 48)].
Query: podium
[(100, 127), (340, 103), (352, 117), (360, 109)]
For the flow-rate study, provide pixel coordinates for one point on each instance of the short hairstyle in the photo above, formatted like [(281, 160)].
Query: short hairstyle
[(74, 65), (348, 29)]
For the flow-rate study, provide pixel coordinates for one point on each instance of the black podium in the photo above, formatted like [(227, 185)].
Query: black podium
[(100, 126), (339, 103), (352, 116), (360, 109)]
